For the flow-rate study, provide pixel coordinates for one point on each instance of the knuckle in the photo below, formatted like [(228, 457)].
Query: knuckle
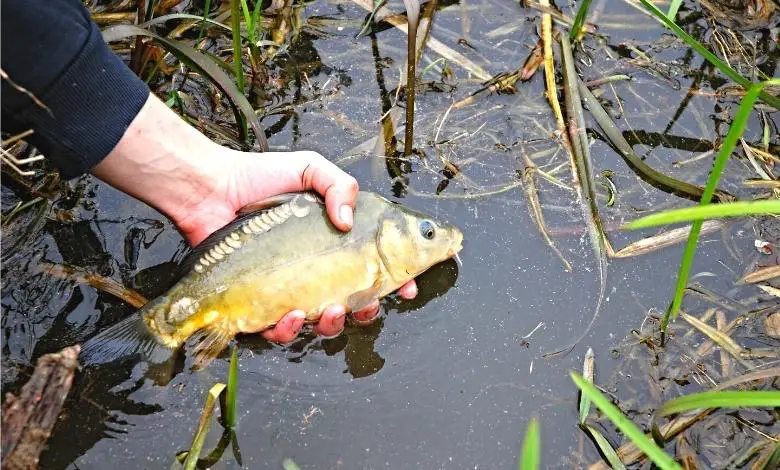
[(351, 184)]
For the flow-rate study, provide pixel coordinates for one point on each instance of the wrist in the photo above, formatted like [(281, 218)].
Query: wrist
[(162, 161)]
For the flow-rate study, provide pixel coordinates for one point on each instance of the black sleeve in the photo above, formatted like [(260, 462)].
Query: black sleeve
[(54, 50)]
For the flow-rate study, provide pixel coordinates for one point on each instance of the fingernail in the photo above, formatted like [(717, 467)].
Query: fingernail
[(298, 324), (339, 316), (345, 214)]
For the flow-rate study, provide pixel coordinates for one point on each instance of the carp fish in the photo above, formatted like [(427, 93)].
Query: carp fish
[(286, 255)]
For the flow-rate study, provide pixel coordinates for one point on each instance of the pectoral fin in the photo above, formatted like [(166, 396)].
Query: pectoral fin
[(209, 343), (360, 299)]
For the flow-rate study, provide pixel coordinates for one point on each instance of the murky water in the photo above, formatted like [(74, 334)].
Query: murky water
[(450, 379)]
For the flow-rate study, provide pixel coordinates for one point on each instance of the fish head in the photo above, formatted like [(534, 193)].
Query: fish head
[(410, 242)]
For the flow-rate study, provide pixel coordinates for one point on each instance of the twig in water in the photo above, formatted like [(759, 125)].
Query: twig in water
[(761, 274), (665, 239), (101, 283), (413, 16)]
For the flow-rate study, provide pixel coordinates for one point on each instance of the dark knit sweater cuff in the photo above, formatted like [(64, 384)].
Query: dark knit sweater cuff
[(92, 103)]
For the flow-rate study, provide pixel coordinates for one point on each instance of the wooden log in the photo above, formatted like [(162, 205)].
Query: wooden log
[(29, 418)]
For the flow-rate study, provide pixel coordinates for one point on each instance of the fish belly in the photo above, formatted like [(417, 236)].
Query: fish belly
[(311, 284)]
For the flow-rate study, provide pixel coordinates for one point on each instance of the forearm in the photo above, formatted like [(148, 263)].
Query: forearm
[(162, 161)]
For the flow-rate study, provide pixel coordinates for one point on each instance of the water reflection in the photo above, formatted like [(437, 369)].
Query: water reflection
[(358, 342)]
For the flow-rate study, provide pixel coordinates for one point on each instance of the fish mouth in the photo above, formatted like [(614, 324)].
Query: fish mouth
[(456, 246)]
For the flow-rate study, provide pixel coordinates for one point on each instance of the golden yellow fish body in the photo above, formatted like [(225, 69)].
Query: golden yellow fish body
[(248, 275)]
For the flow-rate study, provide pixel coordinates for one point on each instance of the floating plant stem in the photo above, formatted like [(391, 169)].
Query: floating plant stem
[(535, 207), (665, 239), (101, 283), (580, 159), (434, 44), (232, 390), (413, 15), (642, 169), (203, 427)]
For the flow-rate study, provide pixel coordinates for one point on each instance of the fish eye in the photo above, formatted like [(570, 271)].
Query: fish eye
[(427, 229)]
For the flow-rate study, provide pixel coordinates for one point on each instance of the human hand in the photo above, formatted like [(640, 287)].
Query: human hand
[(200, 186)]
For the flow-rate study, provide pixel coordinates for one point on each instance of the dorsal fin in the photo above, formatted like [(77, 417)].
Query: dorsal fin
[(193, 257), (277, 200), (268, 213)]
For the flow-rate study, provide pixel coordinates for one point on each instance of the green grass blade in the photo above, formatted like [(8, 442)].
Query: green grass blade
[(203, 65), (674, 7), (644, 443), (203, 427), (606, 449), (203, 20), (710, 211), (289, 464), (232, 390), (238, 62), (579, 20), (532, 447), (235, 25), (721, 399), (712, 58), (247, 14), (735, 131), (206, 10), (256, 24), (588, 371)]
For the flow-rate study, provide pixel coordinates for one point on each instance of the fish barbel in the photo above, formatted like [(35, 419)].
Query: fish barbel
[(287, 255)]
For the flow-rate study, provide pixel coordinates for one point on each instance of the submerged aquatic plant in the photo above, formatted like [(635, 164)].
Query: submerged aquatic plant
[(204, 65)]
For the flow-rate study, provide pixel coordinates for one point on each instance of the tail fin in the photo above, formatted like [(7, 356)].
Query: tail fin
[(127, 338)]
